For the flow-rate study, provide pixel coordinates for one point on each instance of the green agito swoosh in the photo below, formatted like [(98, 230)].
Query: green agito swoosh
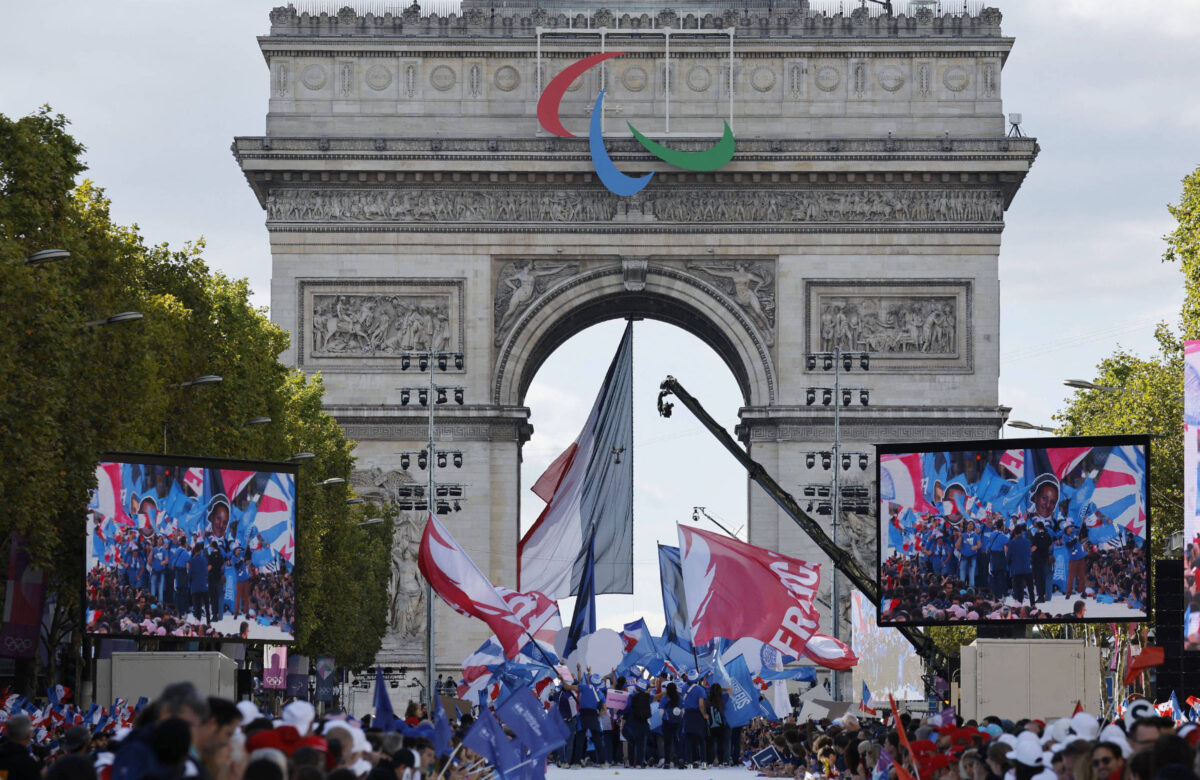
[(708, 160)]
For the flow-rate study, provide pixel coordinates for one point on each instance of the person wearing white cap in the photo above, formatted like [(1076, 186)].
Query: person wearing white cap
[(1085, 726), (299, 715), (249, 711), (1114, 734), (1107, 761)]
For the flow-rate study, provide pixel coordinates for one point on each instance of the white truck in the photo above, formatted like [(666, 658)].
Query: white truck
[(133, 675), (1029, 678)]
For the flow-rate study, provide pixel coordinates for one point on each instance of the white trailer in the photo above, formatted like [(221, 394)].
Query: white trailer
[(134, 675), (1029, 678)]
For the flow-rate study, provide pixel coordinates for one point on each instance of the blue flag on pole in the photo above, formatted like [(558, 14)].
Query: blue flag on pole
[(524, 714), (670, 570), (384, 715), (441, 727), (742, 705), (583, 621), (487, 739)]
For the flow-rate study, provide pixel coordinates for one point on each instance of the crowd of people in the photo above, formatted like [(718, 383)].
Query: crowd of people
[(161, 585), (666, 721), (183, 734), (944, 747), (951, 567)]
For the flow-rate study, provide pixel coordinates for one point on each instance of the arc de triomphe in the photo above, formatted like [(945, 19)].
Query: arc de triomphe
[(413, 199)]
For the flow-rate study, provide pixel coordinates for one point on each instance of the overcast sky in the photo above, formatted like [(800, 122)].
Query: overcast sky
[(156, 90)]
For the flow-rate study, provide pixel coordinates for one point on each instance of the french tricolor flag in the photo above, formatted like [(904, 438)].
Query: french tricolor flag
[(589, 490)]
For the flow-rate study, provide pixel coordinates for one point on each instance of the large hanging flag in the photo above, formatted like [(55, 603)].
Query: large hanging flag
[(460, 583), (583, 621), (720, 572), (589, 490), (678, 630)]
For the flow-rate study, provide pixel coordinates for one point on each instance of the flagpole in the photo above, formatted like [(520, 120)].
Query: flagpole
[(429, 490), (449, 761)]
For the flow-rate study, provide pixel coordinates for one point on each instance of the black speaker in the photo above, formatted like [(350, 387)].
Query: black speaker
[(245, 684), (1180, 671)]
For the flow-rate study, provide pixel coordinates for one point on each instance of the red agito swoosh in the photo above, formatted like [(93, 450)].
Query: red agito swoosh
[(548, 103)]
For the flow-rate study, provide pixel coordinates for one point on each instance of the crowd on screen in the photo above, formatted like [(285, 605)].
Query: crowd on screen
[(164, 585), (185, 735), (952, 567), (1191, 586)]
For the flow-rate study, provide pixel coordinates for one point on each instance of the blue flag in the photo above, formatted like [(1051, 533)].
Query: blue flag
[(583, 621), (742, 704), (670, 571), (524, 714), (441, 728), (384, 716), (487, 739)]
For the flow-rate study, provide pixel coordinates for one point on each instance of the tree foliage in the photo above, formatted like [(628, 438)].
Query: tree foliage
[(1148, 395), (69, 392)]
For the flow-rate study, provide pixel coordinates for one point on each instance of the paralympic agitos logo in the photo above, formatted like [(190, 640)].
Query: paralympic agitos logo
[(618, 183)]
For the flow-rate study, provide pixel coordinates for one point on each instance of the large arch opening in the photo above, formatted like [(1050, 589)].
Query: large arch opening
[(661, 294), (678, 465)]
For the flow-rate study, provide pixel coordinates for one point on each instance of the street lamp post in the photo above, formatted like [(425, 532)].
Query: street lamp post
[(431, 360), (837, 361), (1021, 425)]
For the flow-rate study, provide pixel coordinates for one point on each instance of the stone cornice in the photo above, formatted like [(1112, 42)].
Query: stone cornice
[(508, 22), (270, 162), (553, 50), (874, 424), (549, 147)]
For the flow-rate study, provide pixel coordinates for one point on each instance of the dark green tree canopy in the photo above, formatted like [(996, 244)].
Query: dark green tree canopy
[(69, 392)]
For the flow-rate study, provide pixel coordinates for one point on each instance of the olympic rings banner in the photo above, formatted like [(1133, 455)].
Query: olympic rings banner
[(618, 183), (23, 599)]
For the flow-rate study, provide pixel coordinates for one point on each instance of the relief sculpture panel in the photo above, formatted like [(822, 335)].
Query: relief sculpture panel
[(518, 284), (901, 324), (365, 325), (751, 285)]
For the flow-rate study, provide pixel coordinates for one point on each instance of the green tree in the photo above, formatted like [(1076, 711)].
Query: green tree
[(69, 392), (1146, 394)]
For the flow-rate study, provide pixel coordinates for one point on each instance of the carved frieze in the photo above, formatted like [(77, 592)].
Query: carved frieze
[(750, 284), (518, 284), (366, 324), (450, 207), (904, 325)]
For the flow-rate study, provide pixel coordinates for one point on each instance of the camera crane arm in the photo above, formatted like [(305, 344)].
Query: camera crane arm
[(840, 557)]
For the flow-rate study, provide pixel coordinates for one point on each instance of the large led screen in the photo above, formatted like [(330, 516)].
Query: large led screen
[(887, 663), (188, 548), (1034, 530), (1191, 523)]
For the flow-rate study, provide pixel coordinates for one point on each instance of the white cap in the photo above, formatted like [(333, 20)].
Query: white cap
[(1085, 726), (248, 710), (299, 715), (361, 745), (1028, 750), (1113, 733)]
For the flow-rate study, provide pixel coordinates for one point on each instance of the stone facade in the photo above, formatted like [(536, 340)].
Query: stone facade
[(412, 198)]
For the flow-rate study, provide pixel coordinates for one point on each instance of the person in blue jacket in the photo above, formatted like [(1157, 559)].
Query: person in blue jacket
[(671, 704), (179, 563), (158, 568), (994, 546), (1076, 561), (695, 721), (591, 699), (969, 545), (1020, 565), (197, 569)]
